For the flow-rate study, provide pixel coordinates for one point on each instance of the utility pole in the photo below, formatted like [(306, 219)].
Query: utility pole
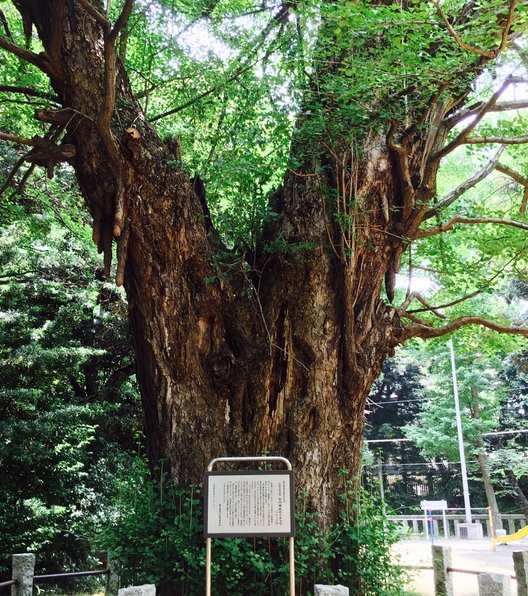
[(463, 470)]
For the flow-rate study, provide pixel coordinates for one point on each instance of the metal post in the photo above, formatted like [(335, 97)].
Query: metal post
[(208, 566), (431, 529), (463, 470), (492, 529), (292, 566)]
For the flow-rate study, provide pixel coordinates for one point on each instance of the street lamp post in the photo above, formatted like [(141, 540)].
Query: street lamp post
[(463, 470)]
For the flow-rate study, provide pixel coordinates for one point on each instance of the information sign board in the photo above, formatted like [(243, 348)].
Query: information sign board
[(433, 505), (249, 503)]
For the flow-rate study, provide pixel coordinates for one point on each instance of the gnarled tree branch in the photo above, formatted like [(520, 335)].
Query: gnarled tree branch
[(28, 91), (426, 331), (427, 233), (502, 140), (5, 136), (37, 60)]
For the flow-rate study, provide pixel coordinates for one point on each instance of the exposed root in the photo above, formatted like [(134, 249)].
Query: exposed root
[(106, 248), (122, 251), (96, 232)]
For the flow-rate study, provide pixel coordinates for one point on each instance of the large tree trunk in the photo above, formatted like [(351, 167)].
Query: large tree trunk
[(285, 368)]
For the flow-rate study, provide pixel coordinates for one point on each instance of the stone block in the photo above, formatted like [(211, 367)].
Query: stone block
[(471, 531), (443, 580), (520, 563), (322, 590), (23, 571), (144, 590), (491, 584)]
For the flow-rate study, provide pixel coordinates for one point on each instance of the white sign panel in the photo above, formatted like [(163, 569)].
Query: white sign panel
[(249, 503), (433, 505)]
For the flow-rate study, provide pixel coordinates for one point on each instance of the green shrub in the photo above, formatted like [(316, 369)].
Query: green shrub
[(155, 535)]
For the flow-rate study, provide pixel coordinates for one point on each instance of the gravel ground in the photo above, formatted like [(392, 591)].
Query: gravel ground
[(475, 555)]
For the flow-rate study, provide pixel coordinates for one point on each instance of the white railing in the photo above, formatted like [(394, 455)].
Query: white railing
[(414, 524)]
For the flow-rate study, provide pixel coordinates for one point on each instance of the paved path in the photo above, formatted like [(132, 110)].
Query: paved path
[(476, 555)]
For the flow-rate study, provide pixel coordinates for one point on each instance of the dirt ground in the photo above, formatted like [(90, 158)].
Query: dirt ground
[(476, 555)]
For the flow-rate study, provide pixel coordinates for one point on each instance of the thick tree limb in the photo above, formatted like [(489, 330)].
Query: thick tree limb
[(28, 91), (462, 137), (427, 233), (5, 136), (501, 140), (37, 60), (485, 53), (426, 331), (121, 21), (43, 146), (465, 186)]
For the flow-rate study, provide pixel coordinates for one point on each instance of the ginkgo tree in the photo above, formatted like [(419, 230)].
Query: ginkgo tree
[(269, 340)]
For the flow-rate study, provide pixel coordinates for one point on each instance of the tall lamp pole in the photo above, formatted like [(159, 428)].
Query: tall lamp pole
[(463, 470)]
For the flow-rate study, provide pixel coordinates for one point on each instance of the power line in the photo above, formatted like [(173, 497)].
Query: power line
[(506, 432), (434, 464), (490, 434), (399, 401)]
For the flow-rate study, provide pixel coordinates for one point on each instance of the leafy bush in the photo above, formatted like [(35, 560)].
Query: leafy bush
[(69, 411), (155, 535)]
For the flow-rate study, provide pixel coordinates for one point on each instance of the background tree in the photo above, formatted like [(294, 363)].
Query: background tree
[(395, 402), (69, 414), (274, 346)]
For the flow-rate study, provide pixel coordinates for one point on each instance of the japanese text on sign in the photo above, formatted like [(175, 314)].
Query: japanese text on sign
[(251, 504)]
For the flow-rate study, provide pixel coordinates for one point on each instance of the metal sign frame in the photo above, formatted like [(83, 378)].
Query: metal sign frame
[(209, 536)]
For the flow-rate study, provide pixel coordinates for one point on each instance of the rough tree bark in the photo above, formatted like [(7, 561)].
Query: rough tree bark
[(286, 370)]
